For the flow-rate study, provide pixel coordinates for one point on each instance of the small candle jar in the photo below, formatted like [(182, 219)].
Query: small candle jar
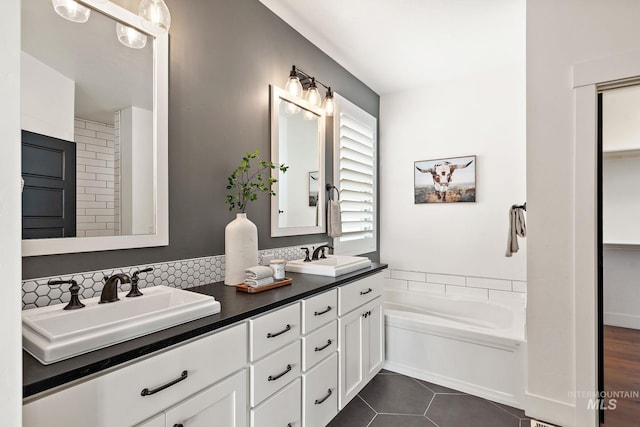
[(277, 265)]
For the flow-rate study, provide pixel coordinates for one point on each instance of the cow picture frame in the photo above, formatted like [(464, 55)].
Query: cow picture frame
[(446, 180)]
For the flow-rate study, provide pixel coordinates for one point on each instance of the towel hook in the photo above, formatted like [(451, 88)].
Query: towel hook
[(330, 187), (523, 206)]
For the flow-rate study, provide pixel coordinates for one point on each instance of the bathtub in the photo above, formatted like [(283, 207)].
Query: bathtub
[(475, 346)]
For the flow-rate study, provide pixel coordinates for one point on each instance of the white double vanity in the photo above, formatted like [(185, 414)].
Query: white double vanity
[(294, 365)]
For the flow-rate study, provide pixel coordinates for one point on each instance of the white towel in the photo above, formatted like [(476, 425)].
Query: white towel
[(517, 227), (258, 272), (334, 219), (256, 283)]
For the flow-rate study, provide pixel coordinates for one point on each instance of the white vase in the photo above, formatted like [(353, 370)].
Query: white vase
[(240, 248)]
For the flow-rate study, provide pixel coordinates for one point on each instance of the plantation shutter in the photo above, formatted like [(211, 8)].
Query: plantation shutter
[(355, 148)]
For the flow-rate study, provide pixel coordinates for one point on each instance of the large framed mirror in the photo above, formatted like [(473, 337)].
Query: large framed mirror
[(94, 117), (297, 140)]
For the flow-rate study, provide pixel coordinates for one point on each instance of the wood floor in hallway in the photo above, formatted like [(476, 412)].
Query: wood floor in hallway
[(622, 373)]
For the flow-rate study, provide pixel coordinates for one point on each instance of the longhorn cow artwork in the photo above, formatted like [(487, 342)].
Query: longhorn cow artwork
[(445, 180)]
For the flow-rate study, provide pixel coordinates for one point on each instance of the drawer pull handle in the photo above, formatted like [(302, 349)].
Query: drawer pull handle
[(275, 377), (320, 401), (147, 392), (366, 292), (275, 334), (320, 313), (324, 346)]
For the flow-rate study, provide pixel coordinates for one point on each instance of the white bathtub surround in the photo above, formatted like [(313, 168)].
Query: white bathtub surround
[(472, 345), (452, 285), (185, 273)]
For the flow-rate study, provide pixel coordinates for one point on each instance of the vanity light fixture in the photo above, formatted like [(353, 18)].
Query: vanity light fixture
[(130, 37), (155, 15), (71, 10), (303, 85)]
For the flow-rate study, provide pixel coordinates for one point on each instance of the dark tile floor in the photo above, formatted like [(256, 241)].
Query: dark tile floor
[(394, 400)]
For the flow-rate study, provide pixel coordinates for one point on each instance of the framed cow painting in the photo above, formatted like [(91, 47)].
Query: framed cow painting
[(449, 180)]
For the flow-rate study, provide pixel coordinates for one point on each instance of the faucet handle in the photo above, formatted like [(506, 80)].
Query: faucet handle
[(74, 302), (306, 254), (135, 292)]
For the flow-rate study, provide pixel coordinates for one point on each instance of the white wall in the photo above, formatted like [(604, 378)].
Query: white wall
[(559, 35), (482, 115), (47, 99), (622, 287), (10, 261)]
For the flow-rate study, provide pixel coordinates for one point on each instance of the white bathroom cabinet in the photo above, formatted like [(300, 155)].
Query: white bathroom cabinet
[(361, 329), (298, 365)]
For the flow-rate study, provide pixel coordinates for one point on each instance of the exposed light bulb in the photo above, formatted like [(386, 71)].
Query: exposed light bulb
[(293, 86), (71, 10), (155, 15), (313, 95), (130, 37), (329, 106), (291, 108)]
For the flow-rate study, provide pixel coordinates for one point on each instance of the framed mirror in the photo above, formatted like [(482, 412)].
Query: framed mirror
[(94, 119), (297, 140)]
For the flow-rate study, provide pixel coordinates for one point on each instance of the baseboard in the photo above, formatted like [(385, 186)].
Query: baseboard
[(485, 393), (622, 320), (549, 410)]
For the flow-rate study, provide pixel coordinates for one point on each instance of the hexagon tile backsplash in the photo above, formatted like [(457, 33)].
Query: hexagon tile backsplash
[(182, 274)]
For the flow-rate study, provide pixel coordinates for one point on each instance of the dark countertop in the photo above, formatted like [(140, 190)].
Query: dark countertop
[(235, 307)]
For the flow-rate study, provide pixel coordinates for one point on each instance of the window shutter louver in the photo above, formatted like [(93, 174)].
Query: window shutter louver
[(354, 174)]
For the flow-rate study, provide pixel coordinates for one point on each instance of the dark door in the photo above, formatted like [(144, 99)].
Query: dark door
[(49, 194)]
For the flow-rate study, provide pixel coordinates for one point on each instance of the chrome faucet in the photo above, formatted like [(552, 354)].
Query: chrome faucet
[(316, 252), (110, 289)]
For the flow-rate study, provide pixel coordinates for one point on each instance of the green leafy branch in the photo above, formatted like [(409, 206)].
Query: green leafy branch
[(247, 183)]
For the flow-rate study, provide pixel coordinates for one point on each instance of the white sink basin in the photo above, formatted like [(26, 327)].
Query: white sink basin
[(52, 334), (333, 265)]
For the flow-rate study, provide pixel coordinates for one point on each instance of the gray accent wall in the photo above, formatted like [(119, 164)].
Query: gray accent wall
[(223, 56)]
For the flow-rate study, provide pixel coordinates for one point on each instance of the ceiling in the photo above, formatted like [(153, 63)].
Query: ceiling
[(392, 45)]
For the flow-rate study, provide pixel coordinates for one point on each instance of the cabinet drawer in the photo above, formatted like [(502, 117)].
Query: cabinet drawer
[(319, 310), (320, 393), (274, 371), (282, 409), (274, 330), (360, 292), (319, 344), (100, 401)]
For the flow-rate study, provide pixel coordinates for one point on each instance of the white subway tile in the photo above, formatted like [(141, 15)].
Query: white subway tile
[(91, 141), (86, 197), (90, 226), (90, 183), (99, 127), (105, 156), (111, 164), (100, 170), (110, 205), (85, 154), (463, 291), (97, 190), (80, 146), (79, 168), (85, 218), (91, 205), (507, 297), (91, 162), (80, 124), (481, 282), (103, 197), (84, 132), (110, 185), (80, 212), (99, 149), (86, 176), (105, 218), (446, 279), (408, 275), (430, 288), (395, 284), (99, 211), (519, 286), (105, 135)]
